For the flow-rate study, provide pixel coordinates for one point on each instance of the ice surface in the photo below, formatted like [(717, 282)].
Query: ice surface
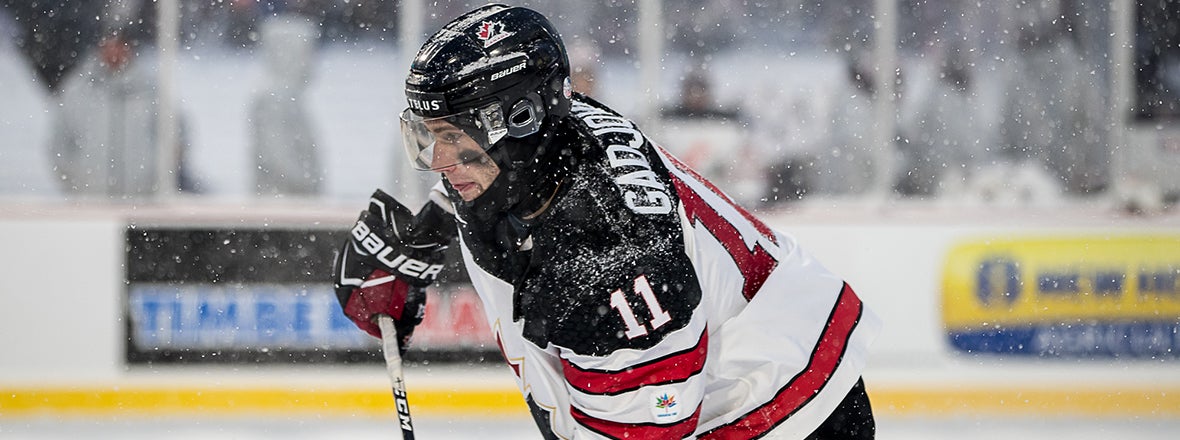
[(437, 428), (186, 429)]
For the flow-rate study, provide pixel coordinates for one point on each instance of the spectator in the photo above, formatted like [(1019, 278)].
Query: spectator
[(104, 141), (696, 100), (936, 127), (709, 138), (1157, 59), (1053, 114), (789, 137), (283, 135), (53, 34), (847, 166)]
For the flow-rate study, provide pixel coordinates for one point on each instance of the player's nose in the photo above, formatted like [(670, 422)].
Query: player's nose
[(445, 158)]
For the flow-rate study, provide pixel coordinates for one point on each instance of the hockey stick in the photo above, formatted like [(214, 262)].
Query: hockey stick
[(393, 365)]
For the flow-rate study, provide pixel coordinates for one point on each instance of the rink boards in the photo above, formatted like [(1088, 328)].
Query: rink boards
[(1065, 312)]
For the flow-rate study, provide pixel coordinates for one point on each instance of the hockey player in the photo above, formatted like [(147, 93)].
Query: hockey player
[(630, 298)]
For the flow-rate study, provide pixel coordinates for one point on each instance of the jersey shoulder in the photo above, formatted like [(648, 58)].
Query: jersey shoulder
[(613, 272), (615, 146)]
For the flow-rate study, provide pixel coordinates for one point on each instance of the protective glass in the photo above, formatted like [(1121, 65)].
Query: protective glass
[(438, 143)]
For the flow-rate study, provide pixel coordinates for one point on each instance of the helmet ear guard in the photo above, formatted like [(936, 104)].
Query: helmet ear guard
[(525, 116)]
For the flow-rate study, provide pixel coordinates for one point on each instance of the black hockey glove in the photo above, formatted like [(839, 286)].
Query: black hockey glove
[(384, 268)]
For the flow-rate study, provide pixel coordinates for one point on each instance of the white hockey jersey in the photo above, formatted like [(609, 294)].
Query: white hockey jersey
[(645, 304)]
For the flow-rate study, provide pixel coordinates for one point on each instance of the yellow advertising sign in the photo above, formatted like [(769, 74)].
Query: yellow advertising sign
[(1096, 295)]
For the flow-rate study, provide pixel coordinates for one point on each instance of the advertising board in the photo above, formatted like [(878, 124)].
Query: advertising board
[(265, 295), (1076, 296)]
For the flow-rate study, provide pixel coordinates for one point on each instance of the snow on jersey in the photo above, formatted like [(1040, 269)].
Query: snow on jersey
[(645, 304)]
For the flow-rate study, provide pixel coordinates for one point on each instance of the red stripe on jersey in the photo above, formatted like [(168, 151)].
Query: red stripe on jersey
[(515, 365), (754, 264), (761, 227), (677, 367), (681, 429), (806, 385)]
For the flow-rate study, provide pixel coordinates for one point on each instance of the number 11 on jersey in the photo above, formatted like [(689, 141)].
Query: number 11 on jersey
[(635, 329)]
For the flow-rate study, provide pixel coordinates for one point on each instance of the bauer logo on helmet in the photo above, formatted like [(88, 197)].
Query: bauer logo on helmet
[(509, 71)]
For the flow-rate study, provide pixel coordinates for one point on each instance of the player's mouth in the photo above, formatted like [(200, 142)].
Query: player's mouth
[(466, 189)]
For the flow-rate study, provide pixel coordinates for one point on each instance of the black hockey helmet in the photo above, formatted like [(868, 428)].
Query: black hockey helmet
[(494, 72)]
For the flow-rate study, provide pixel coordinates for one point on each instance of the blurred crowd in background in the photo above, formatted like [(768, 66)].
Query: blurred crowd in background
[(1007, 101)]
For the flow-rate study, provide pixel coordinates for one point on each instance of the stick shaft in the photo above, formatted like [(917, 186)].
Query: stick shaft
[(393, 365)]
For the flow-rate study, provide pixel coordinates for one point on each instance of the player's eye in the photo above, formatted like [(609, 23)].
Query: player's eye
[(451, 137)]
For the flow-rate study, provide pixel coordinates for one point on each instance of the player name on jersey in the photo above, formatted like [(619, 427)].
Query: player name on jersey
[(642, 191)]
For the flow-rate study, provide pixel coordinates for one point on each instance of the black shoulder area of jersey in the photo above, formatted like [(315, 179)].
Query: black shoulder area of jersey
[(609, 268)]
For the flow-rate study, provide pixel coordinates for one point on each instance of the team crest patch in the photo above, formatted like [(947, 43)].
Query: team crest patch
[(491, 32), (665, 406)]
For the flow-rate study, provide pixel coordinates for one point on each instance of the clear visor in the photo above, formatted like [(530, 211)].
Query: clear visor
[(446, 141)]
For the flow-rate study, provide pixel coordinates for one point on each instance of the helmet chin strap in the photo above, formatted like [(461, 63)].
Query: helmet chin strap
[(544, 206)]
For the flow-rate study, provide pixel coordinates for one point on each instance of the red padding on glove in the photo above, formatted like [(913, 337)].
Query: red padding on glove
[(381, 293)]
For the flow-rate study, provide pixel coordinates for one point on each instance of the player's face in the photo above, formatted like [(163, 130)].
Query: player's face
[(473, 171)]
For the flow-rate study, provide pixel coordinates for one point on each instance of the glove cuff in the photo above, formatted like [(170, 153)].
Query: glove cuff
[(381, 293)]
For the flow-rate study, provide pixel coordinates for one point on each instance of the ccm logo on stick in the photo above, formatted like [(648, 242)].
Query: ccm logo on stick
[(406, 265)]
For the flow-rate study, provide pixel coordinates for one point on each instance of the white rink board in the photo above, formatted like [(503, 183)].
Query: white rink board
[(61, 275)]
